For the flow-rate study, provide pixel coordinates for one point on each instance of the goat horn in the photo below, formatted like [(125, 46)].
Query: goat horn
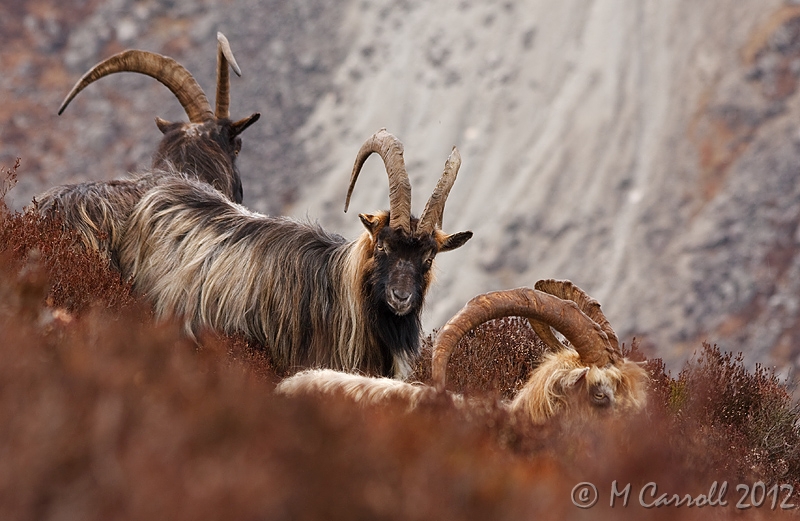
[(164, 69), (566, 290), (563, 315), (391, 151), (224, 58), (433, 213)]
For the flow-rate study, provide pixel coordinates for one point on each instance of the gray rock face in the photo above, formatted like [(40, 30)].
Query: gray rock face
[(646, 150)]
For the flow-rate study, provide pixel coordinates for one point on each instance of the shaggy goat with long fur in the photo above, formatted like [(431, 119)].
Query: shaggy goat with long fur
[(588, 377), (311, 297), (205, 148)]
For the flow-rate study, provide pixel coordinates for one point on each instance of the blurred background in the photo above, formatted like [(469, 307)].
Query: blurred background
[(646, 150)]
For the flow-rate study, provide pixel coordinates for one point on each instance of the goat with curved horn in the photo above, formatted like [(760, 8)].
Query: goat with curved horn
[(211, 128), (413, 246), (205, 148), (589, 379), (565, 316), (591, 373), (311, 297), (429, 224)]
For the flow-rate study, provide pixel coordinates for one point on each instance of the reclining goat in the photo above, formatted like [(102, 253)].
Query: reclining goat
[(589, 377)]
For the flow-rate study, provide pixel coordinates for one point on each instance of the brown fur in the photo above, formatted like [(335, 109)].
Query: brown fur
[(311, 297), (205, 149), (98, 211), (563, 384), (560, 385)]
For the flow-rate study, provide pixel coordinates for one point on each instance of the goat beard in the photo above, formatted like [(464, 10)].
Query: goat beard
[(397, 335)]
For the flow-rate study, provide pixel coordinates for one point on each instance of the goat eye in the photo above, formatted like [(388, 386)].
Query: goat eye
[(599, 396), (380, 247), (428, 263)]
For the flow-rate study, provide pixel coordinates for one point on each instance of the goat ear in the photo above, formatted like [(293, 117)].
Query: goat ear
[(163, 125), (578, 375), (237, 127), (373, 223), (456, 240)]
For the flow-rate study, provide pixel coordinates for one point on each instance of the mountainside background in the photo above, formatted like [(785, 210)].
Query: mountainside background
[(646, 150)]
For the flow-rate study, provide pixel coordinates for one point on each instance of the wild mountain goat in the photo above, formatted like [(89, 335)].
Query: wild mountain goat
[(311, 297), (589, 377), (205, 148)]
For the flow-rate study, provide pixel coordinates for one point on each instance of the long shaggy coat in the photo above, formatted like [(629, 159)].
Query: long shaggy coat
[(307, 295), (99, 210), (561, 385)]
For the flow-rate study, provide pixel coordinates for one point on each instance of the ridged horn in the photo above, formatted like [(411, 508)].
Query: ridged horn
[(565, 289), (583, 333), (433, 214), (162, 68), (224, 59), (391, 151)]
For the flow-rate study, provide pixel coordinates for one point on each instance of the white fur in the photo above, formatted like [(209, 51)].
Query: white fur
[(558, 385)]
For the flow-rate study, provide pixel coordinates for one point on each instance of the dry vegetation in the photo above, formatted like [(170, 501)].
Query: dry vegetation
[(105, 415)]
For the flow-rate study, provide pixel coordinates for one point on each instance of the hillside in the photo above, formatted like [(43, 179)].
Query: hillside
[(645, 150), (108, 415)]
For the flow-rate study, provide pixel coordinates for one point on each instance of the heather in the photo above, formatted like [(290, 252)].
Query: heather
[(105, 414)]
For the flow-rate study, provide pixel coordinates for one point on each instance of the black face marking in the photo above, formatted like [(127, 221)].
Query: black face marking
[(400, 276)]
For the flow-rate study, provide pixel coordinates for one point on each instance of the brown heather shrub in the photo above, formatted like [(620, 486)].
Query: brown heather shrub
[(750, 412), (106, 415), (493, 360), (111, 417), (8, 179), (77, 278)]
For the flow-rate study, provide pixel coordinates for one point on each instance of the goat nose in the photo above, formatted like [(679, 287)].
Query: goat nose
[(401, 295)]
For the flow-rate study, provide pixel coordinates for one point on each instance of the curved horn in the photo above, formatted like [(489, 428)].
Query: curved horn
[(164, 69), (391, 151), (224, 58), (433, 213), (563, 315), (565, 289)]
